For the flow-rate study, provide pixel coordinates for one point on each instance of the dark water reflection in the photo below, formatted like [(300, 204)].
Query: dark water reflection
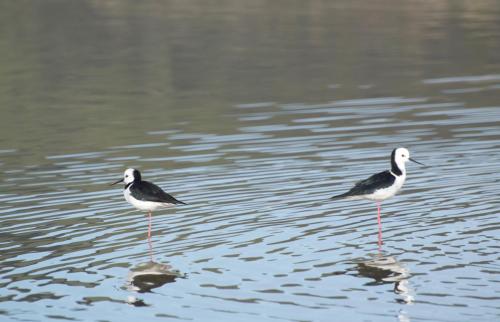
[(149, 275), (254, 113), (387, 269)]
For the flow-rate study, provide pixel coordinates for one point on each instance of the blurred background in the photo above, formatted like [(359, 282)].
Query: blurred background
[(86, 75), (254, 113)]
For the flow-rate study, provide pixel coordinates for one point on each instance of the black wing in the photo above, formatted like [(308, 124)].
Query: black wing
[(148, 191), (364, 187)]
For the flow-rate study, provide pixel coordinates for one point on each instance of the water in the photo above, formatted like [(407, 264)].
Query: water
[(254, 114)]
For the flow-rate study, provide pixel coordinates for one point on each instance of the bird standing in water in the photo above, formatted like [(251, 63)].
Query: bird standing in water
[(383, 185), (144, 195)]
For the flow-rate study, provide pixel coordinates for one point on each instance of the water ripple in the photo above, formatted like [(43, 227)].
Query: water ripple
[(259, 230)]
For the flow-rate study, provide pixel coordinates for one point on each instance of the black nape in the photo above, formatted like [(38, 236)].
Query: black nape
[(137, 175), (394, 167)]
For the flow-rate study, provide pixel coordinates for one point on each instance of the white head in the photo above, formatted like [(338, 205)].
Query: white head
[(399, 157), (130, 175)]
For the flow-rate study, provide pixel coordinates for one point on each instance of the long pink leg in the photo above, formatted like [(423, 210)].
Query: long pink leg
[(149, 226), (379, 226), (150, 249)]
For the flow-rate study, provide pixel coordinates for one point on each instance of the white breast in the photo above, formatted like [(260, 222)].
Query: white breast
[(143, 205)]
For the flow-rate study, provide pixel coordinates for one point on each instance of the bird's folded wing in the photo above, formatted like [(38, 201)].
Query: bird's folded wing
[(377, 181), (148, 191)]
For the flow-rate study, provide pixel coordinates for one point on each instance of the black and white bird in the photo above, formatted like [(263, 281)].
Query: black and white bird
[(383, 185), (144, 195)]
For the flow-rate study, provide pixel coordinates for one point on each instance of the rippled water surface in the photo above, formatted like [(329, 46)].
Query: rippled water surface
[(253, 113)]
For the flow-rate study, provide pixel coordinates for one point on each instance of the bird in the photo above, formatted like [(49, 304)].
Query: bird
[(382, 185), (145, 195)]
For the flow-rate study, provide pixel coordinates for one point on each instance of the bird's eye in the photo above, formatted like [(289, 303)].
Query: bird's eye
[(126, 176)]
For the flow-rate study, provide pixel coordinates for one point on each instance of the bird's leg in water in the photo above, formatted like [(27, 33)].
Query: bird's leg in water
[(379, 225), (149, 226)]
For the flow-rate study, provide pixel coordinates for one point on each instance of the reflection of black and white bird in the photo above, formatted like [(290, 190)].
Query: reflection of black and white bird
[(383, 185), (144, 195)]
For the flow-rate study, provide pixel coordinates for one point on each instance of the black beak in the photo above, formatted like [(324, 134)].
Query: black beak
[(121, 180), (417, 162)]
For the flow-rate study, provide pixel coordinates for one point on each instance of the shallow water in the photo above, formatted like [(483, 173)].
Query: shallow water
[(253, 114)]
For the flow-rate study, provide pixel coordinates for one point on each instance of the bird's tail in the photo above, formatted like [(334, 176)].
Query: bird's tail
[(342, 196), (178, 202)]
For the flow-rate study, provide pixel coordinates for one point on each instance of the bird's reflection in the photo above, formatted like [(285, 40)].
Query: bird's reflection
[(149, 275), (146, 276), (387, 269), (380, 241)]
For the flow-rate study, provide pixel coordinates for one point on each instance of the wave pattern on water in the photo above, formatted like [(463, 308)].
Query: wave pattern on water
[(259, 238)]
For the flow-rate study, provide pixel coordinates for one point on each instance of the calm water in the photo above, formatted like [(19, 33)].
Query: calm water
[(254, 113)]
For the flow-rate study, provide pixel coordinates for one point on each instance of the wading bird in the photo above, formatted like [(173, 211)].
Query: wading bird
[(144, 195), (383, 185)]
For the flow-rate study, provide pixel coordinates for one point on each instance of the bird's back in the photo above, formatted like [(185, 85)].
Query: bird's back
[(365, 188), (147, 191)]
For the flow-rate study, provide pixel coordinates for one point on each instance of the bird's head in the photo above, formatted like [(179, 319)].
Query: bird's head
[(130, 175), (401, 155)]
